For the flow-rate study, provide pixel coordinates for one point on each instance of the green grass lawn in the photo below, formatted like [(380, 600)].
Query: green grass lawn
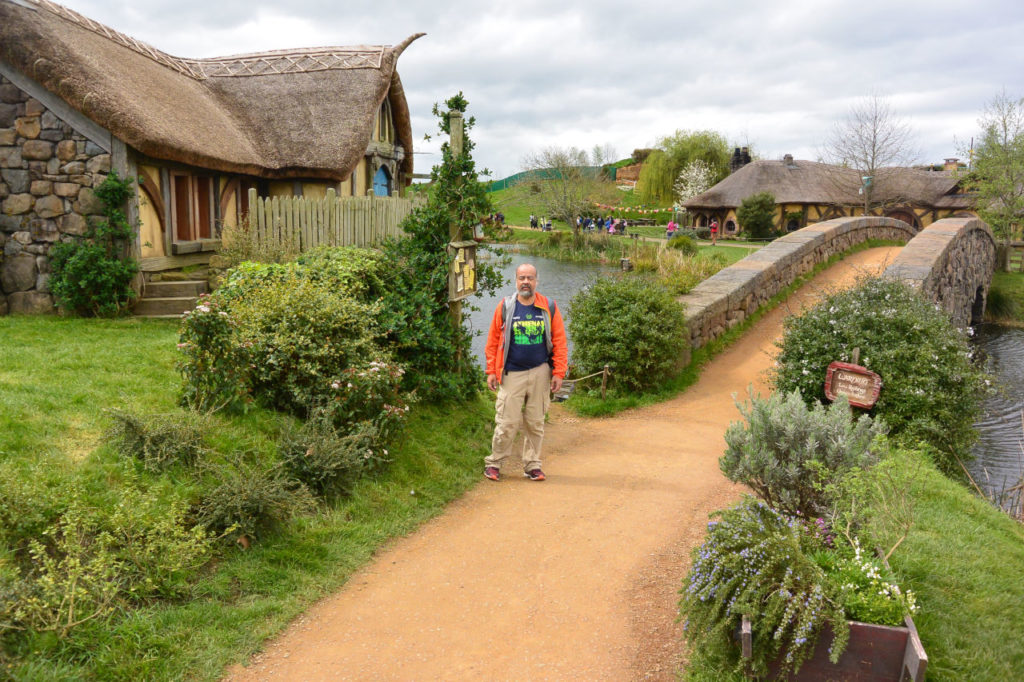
[(1005, 303), (57, 378), (964, 559)]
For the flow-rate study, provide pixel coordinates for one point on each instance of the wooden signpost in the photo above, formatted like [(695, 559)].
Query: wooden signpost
[(462, 276), (860, 385)]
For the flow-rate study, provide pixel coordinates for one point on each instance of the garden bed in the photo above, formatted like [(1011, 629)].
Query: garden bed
[(880, 653)]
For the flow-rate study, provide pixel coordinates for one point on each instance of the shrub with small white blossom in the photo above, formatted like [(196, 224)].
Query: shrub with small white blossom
[(932, 387)]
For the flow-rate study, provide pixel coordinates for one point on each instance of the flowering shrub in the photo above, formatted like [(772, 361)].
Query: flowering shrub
[(753, 563), (213, 366), (370, 393), (864, 589), (791, 577), (787, 450), (932, 389)]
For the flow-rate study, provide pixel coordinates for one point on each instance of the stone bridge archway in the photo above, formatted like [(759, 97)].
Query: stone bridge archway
[(951, 261)]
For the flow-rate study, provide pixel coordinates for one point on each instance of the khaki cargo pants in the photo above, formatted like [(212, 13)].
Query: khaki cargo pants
[(523, 400)]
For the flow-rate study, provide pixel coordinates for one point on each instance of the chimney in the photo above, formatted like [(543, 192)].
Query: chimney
[(951, 164), (736, 162), (788, 160)]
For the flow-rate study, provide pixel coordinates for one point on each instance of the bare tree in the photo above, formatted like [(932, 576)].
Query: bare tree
[(872, 147), (602, 154), (558, 181)]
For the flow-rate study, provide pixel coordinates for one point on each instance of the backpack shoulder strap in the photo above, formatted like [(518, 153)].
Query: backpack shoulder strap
[(507, 306)]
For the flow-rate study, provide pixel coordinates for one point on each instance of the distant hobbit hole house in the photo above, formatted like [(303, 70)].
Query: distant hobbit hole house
[(808, 192), (78, 99)]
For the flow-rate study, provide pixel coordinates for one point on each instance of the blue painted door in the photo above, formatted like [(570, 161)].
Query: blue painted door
[(381, 183)]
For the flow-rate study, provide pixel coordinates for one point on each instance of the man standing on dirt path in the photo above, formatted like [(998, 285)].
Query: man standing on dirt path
[(527, 357)]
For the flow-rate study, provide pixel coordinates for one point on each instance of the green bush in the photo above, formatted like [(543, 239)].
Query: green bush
[(214, 365), (251, 499), (756, 215), (159, 550), (633, 326), (72, 577), (93, 275), (787, 451), (329, 461), (932, 388), (298, 336), (682, 243), (158, 441)]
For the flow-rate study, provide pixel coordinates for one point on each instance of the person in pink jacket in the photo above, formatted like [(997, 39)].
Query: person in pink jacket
[(527, 357)]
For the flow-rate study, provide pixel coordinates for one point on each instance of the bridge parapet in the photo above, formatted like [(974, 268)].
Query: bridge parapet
[(951, 262), (728, 297)]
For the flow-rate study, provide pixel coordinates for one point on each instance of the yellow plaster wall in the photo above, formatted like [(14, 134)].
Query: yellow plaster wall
[(314, 190), (362, 184), (280, 188)]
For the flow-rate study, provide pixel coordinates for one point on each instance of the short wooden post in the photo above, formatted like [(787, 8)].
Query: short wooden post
[(746, 638), (604, 380)]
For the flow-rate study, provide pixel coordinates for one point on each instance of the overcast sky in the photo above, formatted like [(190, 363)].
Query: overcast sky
[(775, 76)]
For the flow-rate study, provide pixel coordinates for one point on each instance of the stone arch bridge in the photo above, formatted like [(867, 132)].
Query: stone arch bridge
[(951, 262)]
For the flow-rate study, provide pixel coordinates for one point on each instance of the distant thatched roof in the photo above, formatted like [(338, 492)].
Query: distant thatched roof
[(281, 114), (809, 182)]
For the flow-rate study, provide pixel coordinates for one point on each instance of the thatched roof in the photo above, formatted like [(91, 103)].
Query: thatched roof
[(809, 182), (283, 114)]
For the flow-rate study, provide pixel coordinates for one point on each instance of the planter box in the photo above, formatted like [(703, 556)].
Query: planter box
[(876, 652)]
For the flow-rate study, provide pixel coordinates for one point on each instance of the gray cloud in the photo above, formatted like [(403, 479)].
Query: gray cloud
[(774, 75)]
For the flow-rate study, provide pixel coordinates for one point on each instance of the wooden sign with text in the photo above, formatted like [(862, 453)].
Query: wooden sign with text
[(462, 276), (860, 385)]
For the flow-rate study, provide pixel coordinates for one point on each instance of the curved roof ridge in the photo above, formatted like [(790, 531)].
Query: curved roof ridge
[(145, 49), (294, 60)]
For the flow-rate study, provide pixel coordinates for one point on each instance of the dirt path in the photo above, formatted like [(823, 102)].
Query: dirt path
[(573, 578)]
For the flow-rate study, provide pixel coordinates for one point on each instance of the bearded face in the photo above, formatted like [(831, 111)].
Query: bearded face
[(526, 281)]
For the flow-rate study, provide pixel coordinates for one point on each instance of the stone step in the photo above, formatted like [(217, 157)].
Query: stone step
[(175, 289), (173, 305)]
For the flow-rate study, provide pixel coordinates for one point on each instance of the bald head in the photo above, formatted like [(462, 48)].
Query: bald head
[(526, 283)]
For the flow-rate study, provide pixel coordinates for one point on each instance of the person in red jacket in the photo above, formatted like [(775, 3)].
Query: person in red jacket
[(527, 357)]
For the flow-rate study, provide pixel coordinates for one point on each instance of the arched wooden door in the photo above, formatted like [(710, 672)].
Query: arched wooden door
[(381, 183)]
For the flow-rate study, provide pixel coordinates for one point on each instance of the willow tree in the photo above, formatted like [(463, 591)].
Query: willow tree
[(676, 151)]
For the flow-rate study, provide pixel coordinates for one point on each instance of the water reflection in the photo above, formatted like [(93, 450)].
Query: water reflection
[(555, 279), (998, 457)]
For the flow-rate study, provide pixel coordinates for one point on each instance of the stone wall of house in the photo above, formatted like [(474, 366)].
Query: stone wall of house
[(728, 297), (47, 175), (951, 262)]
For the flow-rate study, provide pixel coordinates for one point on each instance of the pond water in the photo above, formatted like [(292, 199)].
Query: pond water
[(998, 457), (555, 279)]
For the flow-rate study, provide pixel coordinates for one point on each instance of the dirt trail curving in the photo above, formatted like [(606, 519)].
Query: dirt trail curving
[(573, 578)]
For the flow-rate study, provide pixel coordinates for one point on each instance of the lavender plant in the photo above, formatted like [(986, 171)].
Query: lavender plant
[(754, 563)]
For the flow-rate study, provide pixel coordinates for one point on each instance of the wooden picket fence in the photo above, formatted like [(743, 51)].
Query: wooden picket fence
[(332, 221)]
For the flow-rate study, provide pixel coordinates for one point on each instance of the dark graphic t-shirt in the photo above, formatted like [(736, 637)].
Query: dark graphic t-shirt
[(527, 349)]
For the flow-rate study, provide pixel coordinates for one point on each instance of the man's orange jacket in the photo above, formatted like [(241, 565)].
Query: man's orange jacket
[(499, 338)]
